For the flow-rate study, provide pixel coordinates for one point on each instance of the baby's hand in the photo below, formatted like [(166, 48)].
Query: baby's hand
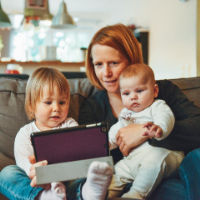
[(153, 130)]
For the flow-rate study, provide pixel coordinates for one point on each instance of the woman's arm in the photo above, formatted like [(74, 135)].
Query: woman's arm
[(130, 137), (186, 133)]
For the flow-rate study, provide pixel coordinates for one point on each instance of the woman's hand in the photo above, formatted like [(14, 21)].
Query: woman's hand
[(32, 174), (130, 137)]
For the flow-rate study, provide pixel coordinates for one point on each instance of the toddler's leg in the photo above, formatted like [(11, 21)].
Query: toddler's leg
[(57, 192), (156, 165), (98, 180)]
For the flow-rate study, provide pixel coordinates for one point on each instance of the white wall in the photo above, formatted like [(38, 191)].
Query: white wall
[(172, 27), (173, 39)]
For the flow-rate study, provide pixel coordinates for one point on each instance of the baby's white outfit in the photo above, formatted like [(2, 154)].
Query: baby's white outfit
[(23, 146), (146, 165)]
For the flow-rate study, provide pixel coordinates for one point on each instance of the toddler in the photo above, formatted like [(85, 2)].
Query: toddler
[(145, 166), (47, 102)]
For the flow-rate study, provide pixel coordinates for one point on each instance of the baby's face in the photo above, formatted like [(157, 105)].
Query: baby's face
[(137, 93), (51, 109)]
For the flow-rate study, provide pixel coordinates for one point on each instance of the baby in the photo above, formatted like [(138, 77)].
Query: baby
[(47, 102), (145, 166)]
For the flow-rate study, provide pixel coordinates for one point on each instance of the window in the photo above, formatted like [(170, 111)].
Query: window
[(38, 44)]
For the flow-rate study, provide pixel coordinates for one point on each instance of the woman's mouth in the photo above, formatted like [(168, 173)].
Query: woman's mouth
[(110, 82)]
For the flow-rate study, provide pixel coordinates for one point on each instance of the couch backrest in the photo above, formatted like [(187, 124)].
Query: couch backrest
[(190, 87), (13, 116)]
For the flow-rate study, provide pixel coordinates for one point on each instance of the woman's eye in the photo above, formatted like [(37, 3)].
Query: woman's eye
[(97, 64), (114, 63), (62, 102)]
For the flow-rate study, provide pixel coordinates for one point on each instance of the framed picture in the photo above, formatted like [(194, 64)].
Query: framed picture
[(37, 4)]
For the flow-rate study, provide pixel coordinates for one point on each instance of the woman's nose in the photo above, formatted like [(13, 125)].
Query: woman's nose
[(107, 71)]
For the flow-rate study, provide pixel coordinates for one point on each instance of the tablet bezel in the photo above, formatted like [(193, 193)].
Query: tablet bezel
[(82, 128)]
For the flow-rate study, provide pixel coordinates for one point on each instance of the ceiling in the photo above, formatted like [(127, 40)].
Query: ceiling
[(78, 8), (95, 13), (88, 11)]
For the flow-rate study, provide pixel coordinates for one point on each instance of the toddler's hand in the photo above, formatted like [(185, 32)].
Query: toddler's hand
[(32, 174), (153, 130), (32, 159)]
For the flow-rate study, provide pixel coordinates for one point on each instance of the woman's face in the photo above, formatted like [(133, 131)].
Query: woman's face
[(108, 64)]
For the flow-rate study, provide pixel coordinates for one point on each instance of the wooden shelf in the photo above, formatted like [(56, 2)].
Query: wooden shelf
[(56, 62)]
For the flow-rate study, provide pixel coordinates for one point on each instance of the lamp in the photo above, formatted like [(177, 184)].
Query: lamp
[(4, 20), (16, 20), (35, 11), (63, 20)]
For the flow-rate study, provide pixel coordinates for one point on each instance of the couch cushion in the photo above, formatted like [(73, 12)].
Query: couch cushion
[(190, 87), (13, 116)]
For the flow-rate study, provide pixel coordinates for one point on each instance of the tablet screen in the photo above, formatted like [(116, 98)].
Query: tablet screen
[(71, 144)]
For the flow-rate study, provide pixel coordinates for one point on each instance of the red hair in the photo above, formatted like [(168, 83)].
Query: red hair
[(119, 37)]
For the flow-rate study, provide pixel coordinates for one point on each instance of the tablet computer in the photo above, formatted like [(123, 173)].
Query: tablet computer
[(71, 144)]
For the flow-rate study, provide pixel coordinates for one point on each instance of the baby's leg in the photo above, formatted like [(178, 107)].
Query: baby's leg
[(57, 192), (157, 164), (116, 187), (98, 180), (132, 193), (120, 179)]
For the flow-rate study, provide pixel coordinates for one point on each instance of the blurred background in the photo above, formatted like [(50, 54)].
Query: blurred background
[(57, 32)]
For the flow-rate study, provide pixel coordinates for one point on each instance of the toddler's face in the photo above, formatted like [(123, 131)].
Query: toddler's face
[(51, 109), (137, 94)]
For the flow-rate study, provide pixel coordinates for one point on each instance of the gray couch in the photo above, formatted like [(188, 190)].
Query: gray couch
[(13, 116)]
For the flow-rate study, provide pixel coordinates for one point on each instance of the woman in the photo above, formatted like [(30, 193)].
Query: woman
[(111, 50)]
